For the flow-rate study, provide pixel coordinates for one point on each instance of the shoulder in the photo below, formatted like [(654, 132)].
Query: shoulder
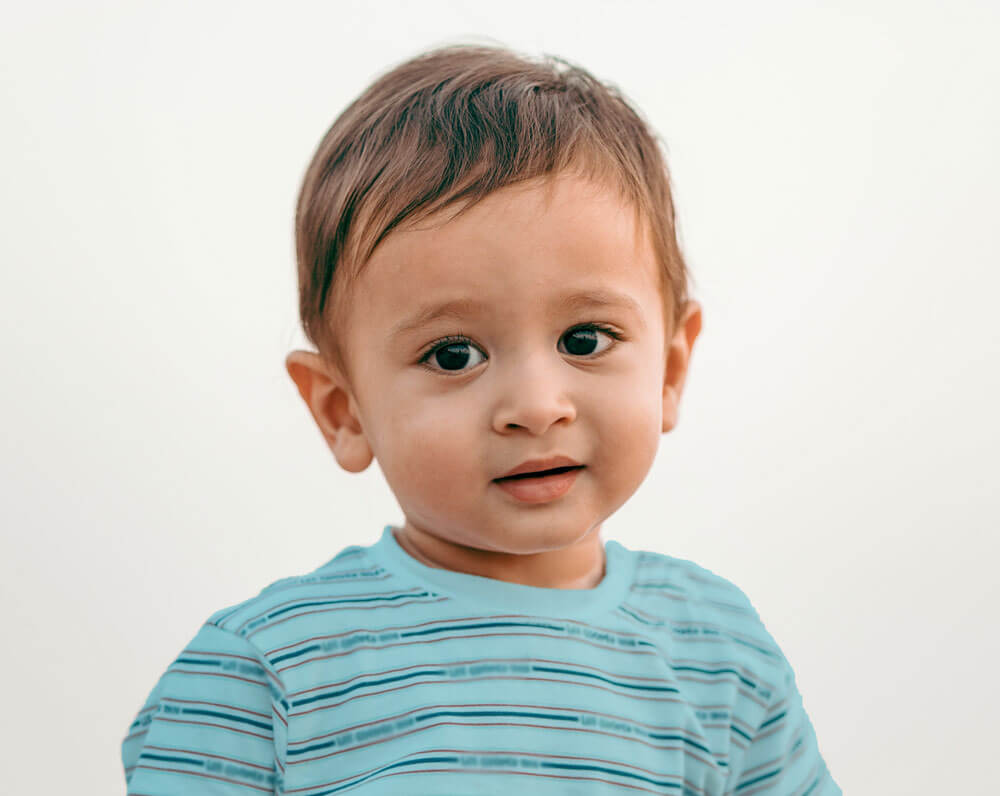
[(690, 579), (697, 604), (284, 596)]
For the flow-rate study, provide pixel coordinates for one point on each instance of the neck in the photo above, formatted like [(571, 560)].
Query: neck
[(579, 566)]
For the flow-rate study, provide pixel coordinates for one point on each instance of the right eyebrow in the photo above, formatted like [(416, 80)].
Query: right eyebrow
[(455, 310)]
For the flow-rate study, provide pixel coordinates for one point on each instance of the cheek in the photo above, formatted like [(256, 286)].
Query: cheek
[(638, 423), (428, 453), (630, 424)]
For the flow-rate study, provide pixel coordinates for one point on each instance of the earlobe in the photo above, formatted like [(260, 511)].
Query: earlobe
[(678, 359), (328, 398)]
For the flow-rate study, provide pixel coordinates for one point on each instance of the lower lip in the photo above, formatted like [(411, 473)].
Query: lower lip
[(540, 490)]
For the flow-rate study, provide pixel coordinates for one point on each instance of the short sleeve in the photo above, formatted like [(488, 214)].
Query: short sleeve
[(783, 756), (207, 726)]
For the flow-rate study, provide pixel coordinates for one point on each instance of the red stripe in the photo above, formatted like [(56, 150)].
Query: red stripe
[(208, 776), (220, 726), (335, 705), (423, 601), (694, 787), (473, 661), (546, 727), (386, 576), (465, 636), (216, 674), (217, 705), (535, 706)]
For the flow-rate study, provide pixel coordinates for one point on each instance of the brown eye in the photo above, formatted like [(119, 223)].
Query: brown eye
[(583, 340), (451, 354)]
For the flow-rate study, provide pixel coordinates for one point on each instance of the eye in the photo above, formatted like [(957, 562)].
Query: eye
[(584, 338), (451, 353)]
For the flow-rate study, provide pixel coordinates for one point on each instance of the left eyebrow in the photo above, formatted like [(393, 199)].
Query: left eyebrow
[(597, 299), (459, 309)]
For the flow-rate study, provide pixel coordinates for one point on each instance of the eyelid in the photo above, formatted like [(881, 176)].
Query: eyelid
[(451, 339), (601, 327)]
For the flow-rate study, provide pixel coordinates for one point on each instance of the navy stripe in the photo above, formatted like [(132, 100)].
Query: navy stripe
[(227, 716), (345, 600), (171, 759), (366, 683)]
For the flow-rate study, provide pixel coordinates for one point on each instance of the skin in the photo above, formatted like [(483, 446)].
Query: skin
[(442, 429)]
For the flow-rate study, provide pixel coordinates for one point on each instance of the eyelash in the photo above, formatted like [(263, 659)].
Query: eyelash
[(461, 338)]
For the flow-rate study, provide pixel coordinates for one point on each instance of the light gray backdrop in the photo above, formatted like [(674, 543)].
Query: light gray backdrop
[(835, 170)]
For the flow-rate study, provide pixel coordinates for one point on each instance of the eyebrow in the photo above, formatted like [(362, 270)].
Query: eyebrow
[(459, 309)]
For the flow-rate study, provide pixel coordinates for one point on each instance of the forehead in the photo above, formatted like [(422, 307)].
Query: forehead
[(524, 246)]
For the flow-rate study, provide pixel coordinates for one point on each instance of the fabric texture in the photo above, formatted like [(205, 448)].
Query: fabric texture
[(378, 674)]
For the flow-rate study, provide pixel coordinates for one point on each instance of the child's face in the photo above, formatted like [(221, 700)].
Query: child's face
[(523, 382)]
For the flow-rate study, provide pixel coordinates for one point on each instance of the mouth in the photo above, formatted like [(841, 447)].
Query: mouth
[(540, 473), (542, 486)]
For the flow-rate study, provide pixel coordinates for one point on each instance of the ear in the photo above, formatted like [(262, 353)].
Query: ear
[(678, 357), (333, 407)]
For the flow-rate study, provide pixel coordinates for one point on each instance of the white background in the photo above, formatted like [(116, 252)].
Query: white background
[(835, 170)]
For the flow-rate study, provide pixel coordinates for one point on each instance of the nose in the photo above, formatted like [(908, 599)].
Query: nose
[(533, 397)]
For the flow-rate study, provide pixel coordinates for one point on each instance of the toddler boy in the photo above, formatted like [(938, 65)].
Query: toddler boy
[(489, 268)]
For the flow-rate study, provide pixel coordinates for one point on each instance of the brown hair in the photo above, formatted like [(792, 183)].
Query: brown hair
[(450, 126)]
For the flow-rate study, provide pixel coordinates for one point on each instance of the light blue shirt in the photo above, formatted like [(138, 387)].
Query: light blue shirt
[(377, 674)]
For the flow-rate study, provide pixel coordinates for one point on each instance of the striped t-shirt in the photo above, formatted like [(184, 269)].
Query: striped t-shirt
[(378, 674)]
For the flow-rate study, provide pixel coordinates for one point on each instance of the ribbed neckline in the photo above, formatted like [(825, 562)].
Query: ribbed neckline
[(494, 595)]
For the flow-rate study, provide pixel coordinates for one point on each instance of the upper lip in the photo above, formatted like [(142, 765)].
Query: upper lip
[(537, 465)]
